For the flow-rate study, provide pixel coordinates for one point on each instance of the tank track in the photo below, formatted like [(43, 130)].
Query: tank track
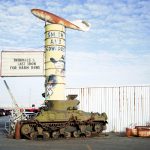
[(53, 130)]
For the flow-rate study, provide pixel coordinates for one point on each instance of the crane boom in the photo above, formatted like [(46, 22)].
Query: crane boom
[(16, 114), (11, 95)]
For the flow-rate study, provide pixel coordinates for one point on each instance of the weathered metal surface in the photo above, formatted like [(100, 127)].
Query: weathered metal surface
[(125, 106), (54, 62), (54, 19), (59, 123)]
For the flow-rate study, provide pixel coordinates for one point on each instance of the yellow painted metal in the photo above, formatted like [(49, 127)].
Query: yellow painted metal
[(53, 34), (54, 62), (55, 27), (54, 48), (54, 42)]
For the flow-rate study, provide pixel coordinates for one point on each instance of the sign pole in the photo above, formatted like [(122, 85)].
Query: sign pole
[(54, 62)]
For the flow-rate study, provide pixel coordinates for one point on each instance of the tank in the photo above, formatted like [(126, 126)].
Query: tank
[(63, 119)]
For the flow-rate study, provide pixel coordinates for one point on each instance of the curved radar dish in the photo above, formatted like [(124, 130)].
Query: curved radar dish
[(54, 19)]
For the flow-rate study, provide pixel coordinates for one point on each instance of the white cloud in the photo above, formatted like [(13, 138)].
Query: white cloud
[(103, 68), (114, 52), (84, 69)]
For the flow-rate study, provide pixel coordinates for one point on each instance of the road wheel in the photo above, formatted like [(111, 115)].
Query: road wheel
[(88, 133), (25, 129), (55, 135), (33, 135), (98, 128), (46, 135), (76, 134), (67, 134)]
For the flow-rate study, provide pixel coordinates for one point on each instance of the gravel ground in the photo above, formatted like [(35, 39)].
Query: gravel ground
[(111, 142)]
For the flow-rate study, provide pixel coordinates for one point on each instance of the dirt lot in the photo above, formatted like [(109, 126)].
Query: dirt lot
[(111, 142)]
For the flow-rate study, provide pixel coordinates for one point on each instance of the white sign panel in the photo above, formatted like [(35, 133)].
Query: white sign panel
[(22, 63)]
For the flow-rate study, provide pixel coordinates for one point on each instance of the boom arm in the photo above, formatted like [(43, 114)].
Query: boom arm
[(11, 95)]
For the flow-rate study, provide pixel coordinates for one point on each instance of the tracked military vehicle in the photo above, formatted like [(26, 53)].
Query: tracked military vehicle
[(63, 119)]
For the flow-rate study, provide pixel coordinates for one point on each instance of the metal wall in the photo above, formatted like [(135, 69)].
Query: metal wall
[(125, 106)]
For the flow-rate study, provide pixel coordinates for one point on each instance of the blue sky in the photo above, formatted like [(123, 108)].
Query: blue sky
[(115, 52)]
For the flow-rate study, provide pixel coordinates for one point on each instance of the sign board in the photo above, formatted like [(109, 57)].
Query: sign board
[(22, 63)]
